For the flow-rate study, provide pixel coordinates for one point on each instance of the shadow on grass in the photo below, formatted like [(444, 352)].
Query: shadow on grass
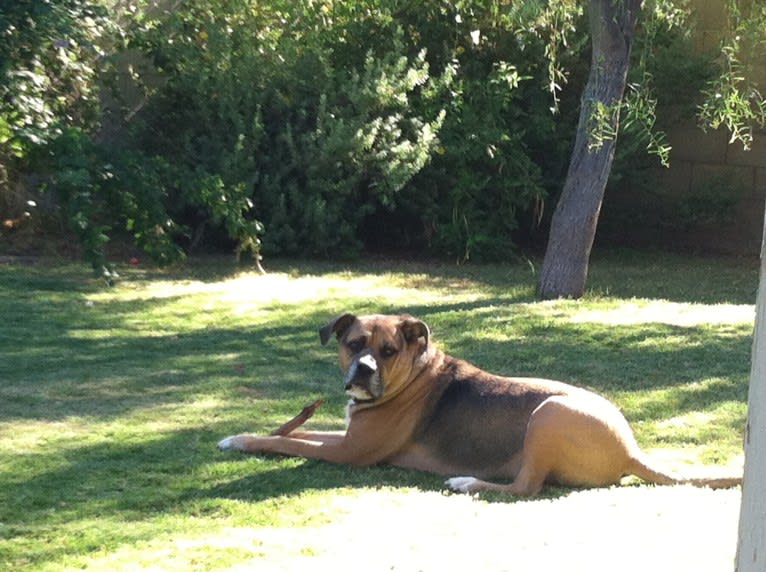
[(613, 358), (315, 475), (56, 374), (60, 356), (619, 273), (63, 376), (172, 473), (674, 277)]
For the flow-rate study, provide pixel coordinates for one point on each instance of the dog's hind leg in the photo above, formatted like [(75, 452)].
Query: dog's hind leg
[(536, 462), (573, 440), (535, 467), (527, 483)]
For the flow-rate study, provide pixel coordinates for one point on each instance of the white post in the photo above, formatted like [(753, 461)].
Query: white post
[(751, 547)]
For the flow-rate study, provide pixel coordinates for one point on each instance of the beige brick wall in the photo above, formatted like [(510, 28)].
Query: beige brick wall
[(699, 157)]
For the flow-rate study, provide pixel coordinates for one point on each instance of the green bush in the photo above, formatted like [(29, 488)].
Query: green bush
[(101, 193), (312, 148), (48, 72), (321, 129), (318, 128), (48, 66), (354, 117)]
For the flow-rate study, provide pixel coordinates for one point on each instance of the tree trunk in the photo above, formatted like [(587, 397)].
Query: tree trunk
[(573, 228), (751, 547)]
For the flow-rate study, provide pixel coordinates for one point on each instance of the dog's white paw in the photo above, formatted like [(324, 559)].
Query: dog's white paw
[(461, 484), (233, 443)]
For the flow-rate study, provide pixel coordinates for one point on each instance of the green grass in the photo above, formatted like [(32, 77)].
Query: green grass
[(112, 400)]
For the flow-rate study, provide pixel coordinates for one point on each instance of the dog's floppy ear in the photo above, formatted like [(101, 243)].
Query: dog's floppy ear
[(412, 328), (337, 325)]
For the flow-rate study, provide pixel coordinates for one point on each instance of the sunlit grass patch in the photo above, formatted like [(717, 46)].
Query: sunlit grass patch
[(388, 529), (664, 312)]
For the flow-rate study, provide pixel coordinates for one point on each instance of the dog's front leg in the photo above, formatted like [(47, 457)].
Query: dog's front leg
[(329, 446)]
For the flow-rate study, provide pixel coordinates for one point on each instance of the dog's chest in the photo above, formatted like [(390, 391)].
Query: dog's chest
[(349, 411)]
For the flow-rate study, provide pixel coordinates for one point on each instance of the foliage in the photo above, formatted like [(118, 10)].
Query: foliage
[(48, 70), (351, 116), (100, 193), (671, 217), (732, 99), (50, 125), (664, 91), (637, 196), (501, 149), (319, 128), (261, 120), (709, 205), (48, 67), (76, 175)]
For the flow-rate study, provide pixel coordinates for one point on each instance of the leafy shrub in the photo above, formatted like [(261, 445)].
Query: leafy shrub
[(48, 71), (483, 176), (353, 117), (48, 65), (338, 127), (312, 147), (101, 193)]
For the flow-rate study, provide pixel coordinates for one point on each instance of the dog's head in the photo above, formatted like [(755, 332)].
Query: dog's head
[(379, 353)]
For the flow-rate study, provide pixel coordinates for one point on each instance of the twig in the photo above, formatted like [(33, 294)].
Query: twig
[(298, 420)]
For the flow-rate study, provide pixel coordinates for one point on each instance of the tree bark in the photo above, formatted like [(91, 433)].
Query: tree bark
[(751, 547), (573, 227)]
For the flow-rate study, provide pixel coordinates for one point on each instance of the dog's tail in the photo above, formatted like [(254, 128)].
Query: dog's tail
[(644, 469)]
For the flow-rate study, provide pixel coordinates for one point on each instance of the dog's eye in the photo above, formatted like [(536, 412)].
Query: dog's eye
[(355, 346), (388, 351)]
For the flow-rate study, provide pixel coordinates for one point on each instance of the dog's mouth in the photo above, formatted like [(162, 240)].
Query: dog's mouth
[(358, 393)]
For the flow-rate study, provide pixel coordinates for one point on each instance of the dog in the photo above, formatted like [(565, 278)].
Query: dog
[(416, 407)]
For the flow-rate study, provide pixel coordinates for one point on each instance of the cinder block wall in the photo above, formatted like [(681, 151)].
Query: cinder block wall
[(699, 157), (704, 167)]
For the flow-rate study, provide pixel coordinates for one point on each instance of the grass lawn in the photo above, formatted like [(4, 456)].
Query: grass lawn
[(112, 401)]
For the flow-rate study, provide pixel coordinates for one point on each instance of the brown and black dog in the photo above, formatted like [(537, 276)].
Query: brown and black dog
[(414, 406)]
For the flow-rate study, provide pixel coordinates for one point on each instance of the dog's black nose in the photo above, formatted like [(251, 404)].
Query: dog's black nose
[(366, 365)]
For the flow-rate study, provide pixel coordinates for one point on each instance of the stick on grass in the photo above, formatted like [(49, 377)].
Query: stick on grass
[(298, 420)]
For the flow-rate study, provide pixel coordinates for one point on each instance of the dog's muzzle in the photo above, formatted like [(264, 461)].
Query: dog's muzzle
[(362, 380)]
